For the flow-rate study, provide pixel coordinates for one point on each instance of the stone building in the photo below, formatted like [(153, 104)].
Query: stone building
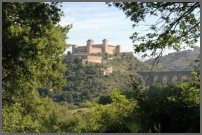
[(94, 59), (85, 58), (97, 48), (106, 71)]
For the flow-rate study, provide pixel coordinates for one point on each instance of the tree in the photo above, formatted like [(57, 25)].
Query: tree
[(169, 109), (110, 118), (176, 23), (65, 96), (104, 100), (86, 95), (33, 46), (68, 53)]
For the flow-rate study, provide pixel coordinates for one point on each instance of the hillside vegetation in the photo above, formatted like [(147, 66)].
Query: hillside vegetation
[(86, 81), (44, 93), (178, 61)]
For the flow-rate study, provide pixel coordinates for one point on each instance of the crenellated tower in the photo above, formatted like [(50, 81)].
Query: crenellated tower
[(105, 43), (118, 48), (74, 48), (90, 42)]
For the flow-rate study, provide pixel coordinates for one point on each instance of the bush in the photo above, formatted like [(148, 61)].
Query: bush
[(109, 118), (104, 100), (166, 109), (26, 115), (72, 125)]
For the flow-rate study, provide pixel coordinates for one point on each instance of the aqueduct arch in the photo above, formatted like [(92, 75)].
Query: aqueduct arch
[(156, 79), (165, 77), (174, 78), (184, 77)]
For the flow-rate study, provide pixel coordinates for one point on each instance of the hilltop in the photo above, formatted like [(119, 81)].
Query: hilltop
[(178, 61), (87, 81), (122, 63)]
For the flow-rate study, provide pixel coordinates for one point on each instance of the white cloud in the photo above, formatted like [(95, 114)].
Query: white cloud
[(86, 9), (67, 20), (98, 23), (103, 14), (91, 18), (67, 10), (80, 9)]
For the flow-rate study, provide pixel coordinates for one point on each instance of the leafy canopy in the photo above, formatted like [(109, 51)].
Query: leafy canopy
[(33, 47), (176, 23)]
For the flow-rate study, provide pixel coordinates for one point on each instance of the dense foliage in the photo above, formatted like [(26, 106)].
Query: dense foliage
[(33, 67), (86, 81), (169, 109), (159, 108), (33, 46), (111, 118)]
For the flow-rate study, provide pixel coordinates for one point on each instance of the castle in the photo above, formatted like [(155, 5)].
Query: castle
[(92, 48), (97, 48), (81, 53), (84, 58)]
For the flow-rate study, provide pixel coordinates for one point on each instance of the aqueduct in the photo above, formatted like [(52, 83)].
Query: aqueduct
[(165, 77)]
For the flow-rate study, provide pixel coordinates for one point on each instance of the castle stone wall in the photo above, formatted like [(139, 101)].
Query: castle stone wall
[(81, 49), (74, 48), (99, 48), (94, 59), (96, 50), (84, 58), (110, 49), (98, 45), (118, 48), (72, 57)]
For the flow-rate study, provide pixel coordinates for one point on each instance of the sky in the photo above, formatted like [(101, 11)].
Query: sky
[(98, 21)]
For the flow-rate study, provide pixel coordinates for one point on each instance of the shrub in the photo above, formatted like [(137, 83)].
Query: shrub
[(109, 118)]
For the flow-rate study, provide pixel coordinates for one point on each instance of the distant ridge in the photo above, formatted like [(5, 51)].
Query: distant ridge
[(178, 61)]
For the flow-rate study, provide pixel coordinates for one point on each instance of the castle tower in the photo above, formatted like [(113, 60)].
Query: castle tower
[(74, 48), (90, 42), (105, 43), (118, 48)]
